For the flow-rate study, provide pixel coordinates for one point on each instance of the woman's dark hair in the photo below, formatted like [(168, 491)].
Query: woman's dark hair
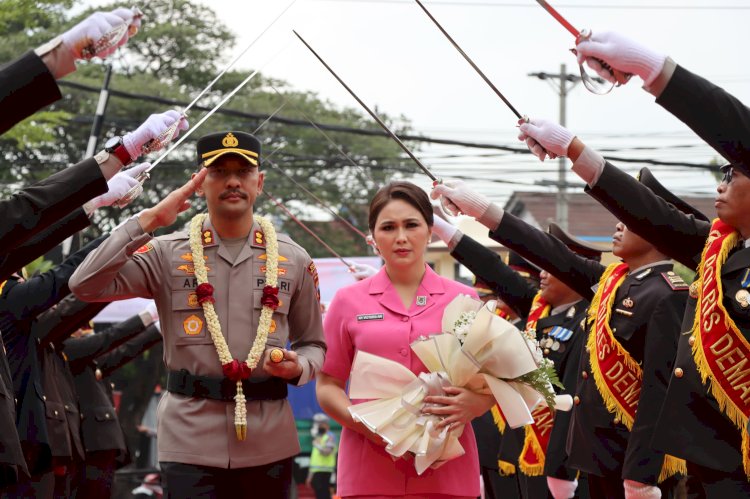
[(405, 191)]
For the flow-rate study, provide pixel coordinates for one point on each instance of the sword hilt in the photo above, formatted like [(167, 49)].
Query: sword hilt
[(591, 83), (134, 191), (111, 38), (163, 138)]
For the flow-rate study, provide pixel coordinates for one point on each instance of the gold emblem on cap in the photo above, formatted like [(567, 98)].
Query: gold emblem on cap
[(276, 355), (230, 140)]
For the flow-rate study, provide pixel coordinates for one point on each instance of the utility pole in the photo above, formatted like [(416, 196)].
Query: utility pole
[(564, 84)]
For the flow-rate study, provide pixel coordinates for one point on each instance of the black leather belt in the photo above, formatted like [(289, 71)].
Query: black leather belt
[(191, 385)]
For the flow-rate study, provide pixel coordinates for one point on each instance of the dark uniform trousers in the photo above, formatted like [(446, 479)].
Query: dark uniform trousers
[(648, 330), (691, 424), (190, 481)]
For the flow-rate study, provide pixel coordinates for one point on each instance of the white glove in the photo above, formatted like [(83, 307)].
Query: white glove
[(638, 490), (361, 271), (152, 311), (157, 325), (155, 125), (119, 185), (443, 229), (545, 138), (460, 199), (621, 54), (561, 489), (94, 27)]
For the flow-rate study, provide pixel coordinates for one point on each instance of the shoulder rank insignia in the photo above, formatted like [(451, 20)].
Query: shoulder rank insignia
[(144, 249), (208, 237), (675, 281), (259, 238)]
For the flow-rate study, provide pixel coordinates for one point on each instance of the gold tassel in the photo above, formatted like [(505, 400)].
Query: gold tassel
[(497, 417), (531, 469), (672, 466), (506, 468)]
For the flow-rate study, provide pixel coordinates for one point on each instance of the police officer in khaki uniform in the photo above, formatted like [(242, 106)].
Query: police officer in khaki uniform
[(200, 454)]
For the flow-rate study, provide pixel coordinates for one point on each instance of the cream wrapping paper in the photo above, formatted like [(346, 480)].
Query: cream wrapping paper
[(493, 351)]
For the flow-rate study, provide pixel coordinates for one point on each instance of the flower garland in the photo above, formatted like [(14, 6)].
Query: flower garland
[(234, 369)]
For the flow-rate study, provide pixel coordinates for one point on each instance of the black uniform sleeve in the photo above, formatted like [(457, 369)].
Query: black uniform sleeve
[(83, 350), (43, 242), (26, 85), (56, 324), (546, 251), (513, 289), (33, 209), (25, 300), (110, 362), (711, 112), (642, 463), (672, 232)]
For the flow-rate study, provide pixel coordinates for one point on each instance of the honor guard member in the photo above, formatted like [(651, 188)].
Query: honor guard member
[(230, 294), (705, 412), (704, 415), (555, 313), (633, 325)]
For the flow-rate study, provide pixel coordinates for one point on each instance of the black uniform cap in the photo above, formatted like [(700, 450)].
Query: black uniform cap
[(522, 266), (647, 178), (215, 145), (579, 246)]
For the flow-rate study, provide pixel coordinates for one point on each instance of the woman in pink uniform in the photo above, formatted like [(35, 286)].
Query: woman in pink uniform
[(383, 315)]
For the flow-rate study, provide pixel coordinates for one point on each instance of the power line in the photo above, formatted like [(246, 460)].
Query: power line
[(358, 131), (597, 6)]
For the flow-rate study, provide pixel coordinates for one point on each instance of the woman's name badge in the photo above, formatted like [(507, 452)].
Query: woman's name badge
[(370, 317)]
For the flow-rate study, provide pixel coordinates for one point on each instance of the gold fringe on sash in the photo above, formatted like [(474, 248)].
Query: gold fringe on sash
[(498, 418), (531, 443), (505, 468)]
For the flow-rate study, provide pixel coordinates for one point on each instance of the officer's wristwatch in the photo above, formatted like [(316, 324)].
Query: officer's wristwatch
[(117, 147)]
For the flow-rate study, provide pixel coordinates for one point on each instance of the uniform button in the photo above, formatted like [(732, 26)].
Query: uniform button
[(404, 319), (546, 351), (55, 412), (106, 415), (66, 407), (44, 397), (577, 400), (16, 400), (691, 341), (404, 352), (678, 372), (585, 375)]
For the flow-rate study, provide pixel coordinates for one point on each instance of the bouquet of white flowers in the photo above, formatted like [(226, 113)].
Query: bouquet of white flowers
[(478, 350)]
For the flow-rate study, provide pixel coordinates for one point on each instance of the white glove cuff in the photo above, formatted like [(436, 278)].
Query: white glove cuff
[(443, 229), (492, 217), (589, 166), (638, 490)]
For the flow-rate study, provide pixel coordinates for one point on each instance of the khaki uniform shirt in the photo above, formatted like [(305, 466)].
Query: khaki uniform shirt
[(196, 430)]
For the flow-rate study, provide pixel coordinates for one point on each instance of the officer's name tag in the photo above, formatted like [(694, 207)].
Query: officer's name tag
[(370, 317)]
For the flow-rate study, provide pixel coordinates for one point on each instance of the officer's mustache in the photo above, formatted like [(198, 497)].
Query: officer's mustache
[(233, 192)]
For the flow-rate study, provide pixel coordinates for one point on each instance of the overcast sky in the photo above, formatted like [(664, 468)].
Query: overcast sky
[(395, 58)]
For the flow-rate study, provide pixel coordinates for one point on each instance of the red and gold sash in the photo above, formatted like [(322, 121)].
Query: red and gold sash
[(531, 460), (617, 374), (720, 350)]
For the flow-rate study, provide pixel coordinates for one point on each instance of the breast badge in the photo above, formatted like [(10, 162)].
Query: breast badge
[(193, 325), (743, 298), (192, 300)]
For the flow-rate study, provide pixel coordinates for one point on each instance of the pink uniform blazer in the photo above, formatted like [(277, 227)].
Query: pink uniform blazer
[(370, 316)]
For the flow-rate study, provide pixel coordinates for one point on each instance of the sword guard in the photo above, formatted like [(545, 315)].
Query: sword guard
[(111, 38), (134, 192), (164, 137)]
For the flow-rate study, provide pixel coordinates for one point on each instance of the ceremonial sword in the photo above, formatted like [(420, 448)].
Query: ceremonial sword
[(620, 77), (112, 37), (380, 122), (472, 64), (168, 135)]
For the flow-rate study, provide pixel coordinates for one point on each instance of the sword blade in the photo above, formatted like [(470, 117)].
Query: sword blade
[(470, 61), (211, 112), (370, 112), (559, 17), (237, 58)]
